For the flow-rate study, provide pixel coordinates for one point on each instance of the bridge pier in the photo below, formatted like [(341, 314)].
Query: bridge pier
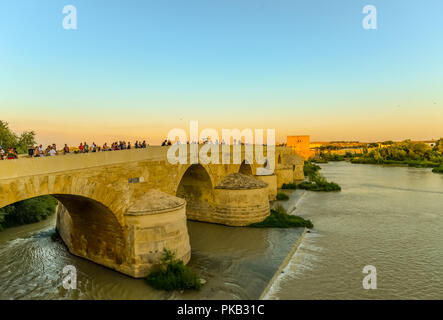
[(153, 222), (271, 181)]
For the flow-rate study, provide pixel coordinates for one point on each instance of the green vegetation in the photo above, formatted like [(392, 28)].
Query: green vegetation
[(319, 184), (316, 182), (332, 157), (282, 196), (280, 219), (406, 153), (173, 275), (28, 211), (289, 186), (320, 160), (438, 169), (9, 139), (310, 168)]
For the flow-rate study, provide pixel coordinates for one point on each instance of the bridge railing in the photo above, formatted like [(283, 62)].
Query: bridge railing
[(53, 164)]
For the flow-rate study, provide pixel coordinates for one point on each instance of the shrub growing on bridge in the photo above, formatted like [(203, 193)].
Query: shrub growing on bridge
[(173, 275), (282, 196)]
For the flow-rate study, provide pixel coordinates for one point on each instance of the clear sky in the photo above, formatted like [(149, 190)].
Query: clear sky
[(136, 69)]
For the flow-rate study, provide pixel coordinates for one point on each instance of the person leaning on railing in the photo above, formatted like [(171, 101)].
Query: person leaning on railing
[(12, 154)]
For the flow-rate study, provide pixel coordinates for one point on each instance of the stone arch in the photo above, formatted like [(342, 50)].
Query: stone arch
[(88, 228), (88, 220), (245, 168), (91, 230), (59, 185), (196, 188)]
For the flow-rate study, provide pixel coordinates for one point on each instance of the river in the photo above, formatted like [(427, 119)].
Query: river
[(388, 217), (237, 263)]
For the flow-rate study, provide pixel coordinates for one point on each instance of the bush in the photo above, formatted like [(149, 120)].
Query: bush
[(312, 186), (280, 219), (438, 169), (316, 181), (292, 186), (173, 275), (282, 196), (319, 183), (310, 168)]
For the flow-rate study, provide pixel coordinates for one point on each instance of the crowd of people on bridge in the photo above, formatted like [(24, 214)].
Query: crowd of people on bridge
[(8, 155), (84, 147), (121, 145)]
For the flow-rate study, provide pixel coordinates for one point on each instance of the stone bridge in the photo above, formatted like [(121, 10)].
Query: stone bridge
[(121, 208)]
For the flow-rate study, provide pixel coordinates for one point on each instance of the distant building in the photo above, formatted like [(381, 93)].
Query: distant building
[(301, 145)]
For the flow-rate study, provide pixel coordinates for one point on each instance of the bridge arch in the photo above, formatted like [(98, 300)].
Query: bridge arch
[(196, 187), (89, 219), (88, 228)]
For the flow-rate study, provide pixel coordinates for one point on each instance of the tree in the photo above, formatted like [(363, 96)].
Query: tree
[(28, 211), (26, 141), (439, 146), (9, 139)]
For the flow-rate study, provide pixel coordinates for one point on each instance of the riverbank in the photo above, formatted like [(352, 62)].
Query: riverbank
[(406, 163), (280, 270), (294, 199)]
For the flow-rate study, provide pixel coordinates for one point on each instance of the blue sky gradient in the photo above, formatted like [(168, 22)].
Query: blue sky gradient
[(140, 68)]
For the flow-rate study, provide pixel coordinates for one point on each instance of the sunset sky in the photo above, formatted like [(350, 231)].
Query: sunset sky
[(136, 69)]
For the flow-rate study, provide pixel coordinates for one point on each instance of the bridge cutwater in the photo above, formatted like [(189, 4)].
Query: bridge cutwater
[(121, 208)]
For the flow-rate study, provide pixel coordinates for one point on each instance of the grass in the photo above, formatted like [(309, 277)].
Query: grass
[(173, 275), (280, 219), (282, 196)]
